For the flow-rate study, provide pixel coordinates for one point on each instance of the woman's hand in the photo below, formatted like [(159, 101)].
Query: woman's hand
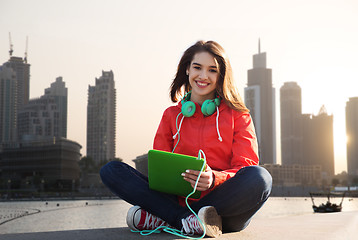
[(205, 181)]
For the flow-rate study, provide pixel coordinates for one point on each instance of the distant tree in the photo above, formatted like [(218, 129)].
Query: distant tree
[(97, 167), (118, 159), (87, 165), (344, 182), (335, 182)]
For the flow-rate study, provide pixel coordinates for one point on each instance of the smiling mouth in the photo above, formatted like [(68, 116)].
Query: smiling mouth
[(202, 84)]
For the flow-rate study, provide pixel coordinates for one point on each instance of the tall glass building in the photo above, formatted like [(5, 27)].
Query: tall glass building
[(101, 118), (22, 70), (260, 100), (14, 94), (352, 135), (8, 104), (291, 124)]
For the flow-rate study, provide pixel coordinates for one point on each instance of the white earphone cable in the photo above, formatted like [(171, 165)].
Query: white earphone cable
[(217, 124)]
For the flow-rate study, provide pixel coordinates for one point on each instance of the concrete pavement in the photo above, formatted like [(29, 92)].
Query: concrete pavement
[(337, 226)]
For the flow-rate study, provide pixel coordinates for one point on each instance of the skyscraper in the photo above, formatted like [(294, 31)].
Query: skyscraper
[(291, 124), (318, 148), (14, 93), (308, 139), (59, 92), (22, 70), (260, 100), (352, 134), (45, 116), (8, 104), (101, 118)]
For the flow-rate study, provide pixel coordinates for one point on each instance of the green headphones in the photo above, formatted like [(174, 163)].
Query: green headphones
[(209, 106)]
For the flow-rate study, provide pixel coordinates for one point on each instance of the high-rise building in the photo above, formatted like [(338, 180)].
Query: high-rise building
[(59, 92), (22, 70), (101, 118), (318, 147), (291, 124), (260, 100), (308, 139), (45, 116), (8, 104), (352, 135)]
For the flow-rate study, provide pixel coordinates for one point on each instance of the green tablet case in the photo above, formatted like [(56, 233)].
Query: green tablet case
[(165, 169)]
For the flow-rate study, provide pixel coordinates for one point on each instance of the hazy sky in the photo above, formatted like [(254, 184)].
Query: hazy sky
[(311, 42)]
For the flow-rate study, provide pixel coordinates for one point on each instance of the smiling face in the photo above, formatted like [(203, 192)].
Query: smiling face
[(203, 74)]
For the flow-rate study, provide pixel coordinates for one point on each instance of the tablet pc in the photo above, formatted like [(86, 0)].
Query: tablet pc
[(165, 169)]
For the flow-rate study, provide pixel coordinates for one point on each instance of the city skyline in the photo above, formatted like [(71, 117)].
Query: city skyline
[(142, 44)]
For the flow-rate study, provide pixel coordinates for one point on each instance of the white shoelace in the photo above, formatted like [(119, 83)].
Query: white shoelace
[(152, 222), (191, 225)]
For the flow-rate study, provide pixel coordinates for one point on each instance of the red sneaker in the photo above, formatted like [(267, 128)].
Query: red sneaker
[(209, 217), (138, 220)]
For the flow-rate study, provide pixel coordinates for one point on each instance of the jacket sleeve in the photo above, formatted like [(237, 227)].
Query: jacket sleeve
[(163, 139), (244, 148)]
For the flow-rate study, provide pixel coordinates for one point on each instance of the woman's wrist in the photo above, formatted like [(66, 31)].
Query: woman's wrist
[(213, 182)]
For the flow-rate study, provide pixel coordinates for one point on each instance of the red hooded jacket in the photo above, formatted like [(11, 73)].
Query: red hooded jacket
[(237, 149)]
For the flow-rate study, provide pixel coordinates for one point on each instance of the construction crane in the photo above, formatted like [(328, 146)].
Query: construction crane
[(27, 41), (11, 50)]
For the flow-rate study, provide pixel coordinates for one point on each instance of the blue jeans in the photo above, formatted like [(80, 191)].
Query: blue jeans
[(236, 200)]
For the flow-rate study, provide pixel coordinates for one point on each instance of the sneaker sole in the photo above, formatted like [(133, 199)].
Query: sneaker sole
[(212, 221), (130, 217)]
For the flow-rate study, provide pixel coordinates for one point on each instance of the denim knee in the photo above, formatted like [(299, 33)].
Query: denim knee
[(260, 178), (264, 180), (108, 169)]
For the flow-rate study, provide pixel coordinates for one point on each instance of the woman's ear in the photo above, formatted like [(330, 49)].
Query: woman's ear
[(187, 69)]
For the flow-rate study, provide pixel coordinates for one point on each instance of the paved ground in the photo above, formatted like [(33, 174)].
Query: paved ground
[(314, 226), (84, 223)]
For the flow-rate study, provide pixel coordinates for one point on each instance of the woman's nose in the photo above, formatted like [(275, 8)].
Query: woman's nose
[(203, 75)]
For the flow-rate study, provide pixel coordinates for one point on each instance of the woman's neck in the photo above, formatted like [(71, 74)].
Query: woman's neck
[(199, 99)]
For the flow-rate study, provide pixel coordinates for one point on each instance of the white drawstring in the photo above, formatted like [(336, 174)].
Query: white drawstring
[(181, 122), (176, 125), (217, 123)]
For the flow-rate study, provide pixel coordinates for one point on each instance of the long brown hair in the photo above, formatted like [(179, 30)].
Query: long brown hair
[(225, 86)]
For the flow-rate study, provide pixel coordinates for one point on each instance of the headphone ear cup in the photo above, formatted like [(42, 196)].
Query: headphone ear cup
[(188, 109), (217, 101), (203, 107), (208, 107)]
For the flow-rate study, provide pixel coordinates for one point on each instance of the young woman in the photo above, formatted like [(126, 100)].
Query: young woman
[(210, 117)]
